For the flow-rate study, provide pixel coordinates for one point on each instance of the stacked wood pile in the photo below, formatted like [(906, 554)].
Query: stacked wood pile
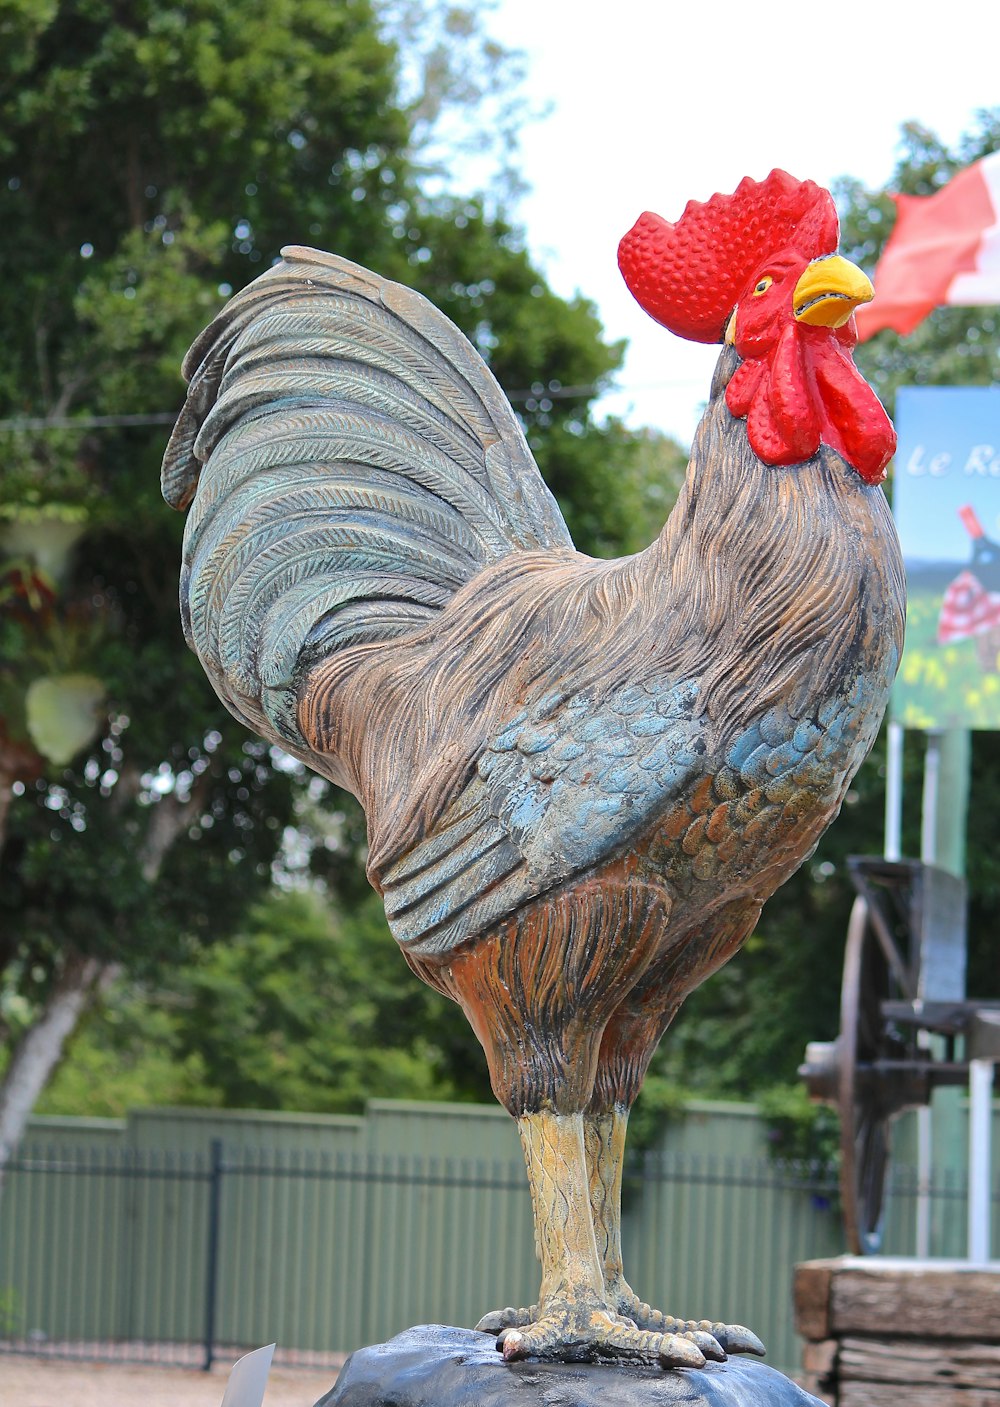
[(900, 1333)]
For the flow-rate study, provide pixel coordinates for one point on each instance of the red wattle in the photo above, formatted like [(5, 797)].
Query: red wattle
[(851, 408), (792, 399), (743, 386), (808, 391)]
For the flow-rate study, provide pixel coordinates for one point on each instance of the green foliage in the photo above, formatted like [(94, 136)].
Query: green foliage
[(256, 113), (150, 159), (799, 1130), (123, 1058), (660, 1100), (305, 1007), (136, 310)]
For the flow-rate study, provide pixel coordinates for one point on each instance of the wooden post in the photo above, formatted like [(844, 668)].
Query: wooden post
[(881, 1332)]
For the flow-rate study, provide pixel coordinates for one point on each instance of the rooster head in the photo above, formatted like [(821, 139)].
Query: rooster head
[(759, 269)]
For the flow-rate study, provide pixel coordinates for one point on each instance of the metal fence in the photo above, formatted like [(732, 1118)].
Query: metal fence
[(153, 1256)]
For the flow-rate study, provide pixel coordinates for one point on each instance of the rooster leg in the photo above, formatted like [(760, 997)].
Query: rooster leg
[(574, 1320), (604, 1136), (604, 1141)]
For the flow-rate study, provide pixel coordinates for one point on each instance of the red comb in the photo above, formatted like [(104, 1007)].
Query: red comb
[(689, 275)]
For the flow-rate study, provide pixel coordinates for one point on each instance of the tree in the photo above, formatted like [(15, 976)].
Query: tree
[(313, 1009), (151, 161), (109, 269)]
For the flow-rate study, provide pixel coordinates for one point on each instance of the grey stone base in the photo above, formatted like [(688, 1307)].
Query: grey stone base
[(433, 1365)]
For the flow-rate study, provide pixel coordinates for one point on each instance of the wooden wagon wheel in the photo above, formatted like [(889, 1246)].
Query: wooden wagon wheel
[(879, 1074)]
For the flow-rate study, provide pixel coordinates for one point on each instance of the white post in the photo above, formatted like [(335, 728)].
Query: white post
[(925, 1163), (925, 1135), (894, 793), (980, 1117), (929, 814)]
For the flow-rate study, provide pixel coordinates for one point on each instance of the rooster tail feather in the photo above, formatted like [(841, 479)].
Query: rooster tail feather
[(350, 463)]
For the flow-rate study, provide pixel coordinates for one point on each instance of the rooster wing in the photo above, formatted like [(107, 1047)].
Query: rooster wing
[(567, 783)]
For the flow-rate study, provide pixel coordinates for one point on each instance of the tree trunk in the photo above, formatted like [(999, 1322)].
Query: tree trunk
[(37, 1053), (81, 979)]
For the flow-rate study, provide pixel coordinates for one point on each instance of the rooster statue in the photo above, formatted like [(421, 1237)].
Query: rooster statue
[(582, 778)]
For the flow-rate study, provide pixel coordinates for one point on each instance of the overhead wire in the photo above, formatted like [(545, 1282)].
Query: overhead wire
[(167, 417)]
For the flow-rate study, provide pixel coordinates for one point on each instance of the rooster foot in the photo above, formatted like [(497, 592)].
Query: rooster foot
[(732, 1338), (578, 1333), (499, 1319)]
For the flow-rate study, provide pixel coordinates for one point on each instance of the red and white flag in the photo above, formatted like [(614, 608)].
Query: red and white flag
[(945, 248)]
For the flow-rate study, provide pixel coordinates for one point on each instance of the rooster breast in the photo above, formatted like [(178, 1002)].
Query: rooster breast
[(572, 784)]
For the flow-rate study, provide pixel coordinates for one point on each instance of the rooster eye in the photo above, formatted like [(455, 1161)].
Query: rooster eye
[(764, 285)]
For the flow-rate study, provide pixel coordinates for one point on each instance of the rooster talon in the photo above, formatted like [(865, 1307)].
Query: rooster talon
[(709, 1345), (511, 1344), (680, 1351), (510, 1318), (738, 1339)]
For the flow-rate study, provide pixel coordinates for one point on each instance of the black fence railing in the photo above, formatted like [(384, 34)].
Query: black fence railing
[(171, 1258)]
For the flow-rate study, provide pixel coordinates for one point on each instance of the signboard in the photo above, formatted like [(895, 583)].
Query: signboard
[(946, 501)]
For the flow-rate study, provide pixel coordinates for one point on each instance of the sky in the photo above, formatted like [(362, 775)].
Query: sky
[(655, 103)]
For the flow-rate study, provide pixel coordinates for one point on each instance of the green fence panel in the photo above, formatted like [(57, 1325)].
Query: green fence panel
[(448, 1239), (291, 1243), (427, 1130), (166, 1235), (332, 1233), (717, 1237), (193, 1131)]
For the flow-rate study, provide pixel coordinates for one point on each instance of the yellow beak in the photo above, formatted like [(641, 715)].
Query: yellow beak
[(829, 291)]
